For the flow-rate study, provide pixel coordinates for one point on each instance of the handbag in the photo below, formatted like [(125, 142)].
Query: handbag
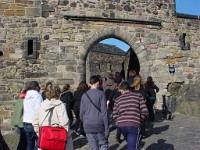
[(51, 137)]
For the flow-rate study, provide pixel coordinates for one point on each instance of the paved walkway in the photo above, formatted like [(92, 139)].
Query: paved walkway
[(182, 133)]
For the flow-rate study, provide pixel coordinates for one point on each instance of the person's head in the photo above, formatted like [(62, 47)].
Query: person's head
[(132, 73), (149, 79), (82, 86), (110, 76), (124, 87), (118, 77), (66, 87), (137, 82), (94, 81), (100, 79), (48, 84), (34, 85), (52, 92)]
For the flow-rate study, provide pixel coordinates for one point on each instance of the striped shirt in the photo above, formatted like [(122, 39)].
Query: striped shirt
[(129, 108)]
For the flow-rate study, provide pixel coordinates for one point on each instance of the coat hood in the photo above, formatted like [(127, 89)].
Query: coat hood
[(48, 104), (31, 94)]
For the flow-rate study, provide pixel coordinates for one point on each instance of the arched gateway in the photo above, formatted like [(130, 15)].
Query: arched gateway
[(48, 40)]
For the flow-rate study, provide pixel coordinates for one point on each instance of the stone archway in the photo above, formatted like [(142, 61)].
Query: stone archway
[(120, 34)]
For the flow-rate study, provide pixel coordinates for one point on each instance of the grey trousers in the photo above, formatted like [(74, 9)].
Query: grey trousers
[(97, 141)]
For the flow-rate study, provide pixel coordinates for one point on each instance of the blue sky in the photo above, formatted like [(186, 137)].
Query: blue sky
[(182, 6), (188, 7), (118, 43)]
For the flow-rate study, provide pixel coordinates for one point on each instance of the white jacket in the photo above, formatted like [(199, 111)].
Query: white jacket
[(31, 102), (58, 116)]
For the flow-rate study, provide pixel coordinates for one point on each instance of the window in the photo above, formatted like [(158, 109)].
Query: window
[(30, 47), (183, 44)]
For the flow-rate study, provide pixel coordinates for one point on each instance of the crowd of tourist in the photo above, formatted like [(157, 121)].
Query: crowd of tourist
[(89, 111)]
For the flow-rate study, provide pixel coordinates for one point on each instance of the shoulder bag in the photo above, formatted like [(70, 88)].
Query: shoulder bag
[(93, 103), (52, 138)]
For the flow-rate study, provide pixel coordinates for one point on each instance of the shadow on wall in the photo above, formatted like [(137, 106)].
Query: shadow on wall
[(133, 62)]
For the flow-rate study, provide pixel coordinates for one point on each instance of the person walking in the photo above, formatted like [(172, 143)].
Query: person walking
[(93, 114), (31, 102), (67, 98), (151, 90), (137, 86), (81, 89), (17, 121), (58, 116), (129, 110)]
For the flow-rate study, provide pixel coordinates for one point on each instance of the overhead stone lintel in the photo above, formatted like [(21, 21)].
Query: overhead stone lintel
[(96, 19)]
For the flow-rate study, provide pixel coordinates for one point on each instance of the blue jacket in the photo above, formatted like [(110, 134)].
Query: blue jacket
[(93, 120)]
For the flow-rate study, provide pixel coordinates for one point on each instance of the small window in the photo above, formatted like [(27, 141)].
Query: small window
[(30, 47), (1, 53), (183, 44), (184, 35), (110, 67), (99, 66)]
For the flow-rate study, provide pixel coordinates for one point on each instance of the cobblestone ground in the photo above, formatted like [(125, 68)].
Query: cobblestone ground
[(181, 133)]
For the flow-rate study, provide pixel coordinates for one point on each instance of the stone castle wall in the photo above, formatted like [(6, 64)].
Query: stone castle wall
[(103, 64), (50, 40)]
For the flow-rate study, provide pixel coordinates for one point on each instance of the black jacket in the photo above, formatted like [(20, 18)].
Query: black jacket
[(67, 99)]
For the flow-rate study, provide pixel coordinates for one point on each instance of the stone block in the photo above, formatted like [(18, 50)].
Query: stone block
[(9, 12), (20, 1), (61, 68), (19, 12), (64, 81), (188, 69), (32, 12), (55, 75), (71, 68), (35, 74), (4, 5)]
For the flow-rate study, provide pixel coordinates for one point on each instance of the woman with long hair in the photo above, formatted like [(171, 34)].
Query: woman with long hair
[(81, 89), (137, 86), (67, 98), (45, 89)]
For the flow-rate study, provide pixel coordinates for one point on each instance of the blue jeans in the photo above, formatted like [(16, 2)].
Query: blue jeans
[(131, 135), (31, 136), (97, 141), (22, 140)]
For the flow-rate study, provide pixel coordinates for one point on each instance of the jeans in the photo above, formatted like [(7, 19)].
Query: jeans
[(131, 135), (97, 141), (31, 136), (150, 104), (78, 123), (22, 140)]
